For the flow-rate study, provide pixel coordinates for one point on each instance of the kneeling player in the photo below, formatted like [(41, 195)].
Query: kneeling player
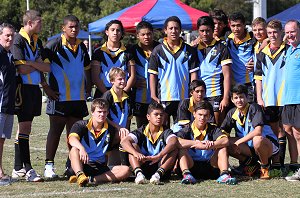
[(152, 149), (91, 140), (254, 141), (203, 147)]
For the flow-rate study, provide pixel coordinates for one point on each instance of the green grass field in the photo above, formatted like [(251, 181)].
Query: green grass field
[(61, 188)]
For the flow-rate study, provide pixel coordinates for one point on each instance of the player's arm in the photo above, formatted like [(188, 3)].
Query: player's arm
[(132, 74), (126, 144), (221, 142), (87, 73), (256, 132), (95, 73), (258, 80), (194, 76), (53, 95), (184, 143), (39, 65), (73, 140), (153, 84), (226, 69), (259, 92)]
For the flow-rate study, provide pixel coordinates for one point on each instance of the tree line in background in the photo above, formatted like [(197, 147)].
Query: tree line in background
[(91, 10)]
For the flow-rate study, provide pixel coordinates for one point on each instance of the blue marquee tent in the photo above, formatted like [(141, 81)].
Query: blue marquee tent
[(83, 35), (290, 13)]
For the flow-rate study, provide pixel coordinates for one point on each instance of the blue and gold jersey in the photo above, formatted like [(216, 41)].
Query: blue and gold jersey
[(109, 59), (212, 58), (95, 143), (241, 53), (25, 49), (211, 133), (270, 70), (245, 124), (292, 80), (119, 109), (173, 70), (149, 146), (141, 58), (68, 65)]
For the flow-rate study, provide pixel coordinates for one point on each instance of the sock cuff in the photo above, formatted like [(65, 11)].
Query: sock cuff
[(161, 171), (186, 171), (137, 170), (23, 136)]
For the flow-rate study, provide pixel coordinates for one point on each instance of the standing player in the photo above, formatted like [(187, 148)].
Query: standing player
[(269, 76), (253, 140), (27, 50), (259, 29), (112, 54), (68, 81), (221, 24), (291, 109), (215, 68), (241, 48), (141, 53), (91, 140), (203, 147), (7, 91), (173, 65), (152, 148)]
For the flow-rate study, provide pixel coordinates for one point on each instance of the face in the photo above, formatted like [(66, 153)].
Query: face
[(71, 29), (114, 33), (198, 94), (6, 38), (219, 27), (145, 36), (239, 100), (274, 35), (259, 32), (119, 81), (201, 117), (156, 117), (292, 33), (173, 31), (237, 28), (206, 33), (36, 25), (100, 114)]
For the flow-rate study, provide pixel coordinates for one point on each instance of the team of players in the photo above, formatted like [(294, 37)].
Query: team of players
[(155, 81)]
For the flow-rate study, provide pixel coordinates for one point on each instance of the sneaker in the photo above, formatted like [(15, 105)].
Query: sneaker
[(264, 173), (82, 180), (32, 176), (18, 173), (49, 171), (155, 179), (227, 179), (188, 179), (73, 179), (5, 182), (275, 173), (294, 177), (250, 170), (140, 179)]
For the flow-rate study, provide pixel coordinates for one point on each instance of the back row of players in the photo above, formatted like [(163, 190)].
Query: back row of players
[(165, 73)]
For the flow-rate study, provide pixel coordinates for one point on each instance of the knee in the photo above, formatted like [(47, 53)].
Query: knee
[(222, 152), (257, 141), (126, 171), (73, 152)]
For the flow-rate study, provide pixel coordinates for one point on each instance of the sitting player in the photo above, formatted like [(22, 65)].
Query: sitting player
[(90, 141), (203, 147), (152, 149), (186, 106), (254, 141)]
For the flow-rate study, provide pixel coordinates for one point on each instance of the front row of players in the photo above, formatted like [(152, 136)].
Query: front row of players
[(200, 150)]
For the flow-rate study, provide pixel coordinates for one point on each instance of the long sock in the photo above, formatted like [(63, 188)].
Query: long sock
[(123, 156), (18, 162), (293, 166), (24, 151), (161, 171), (137, 170), (282, 150)]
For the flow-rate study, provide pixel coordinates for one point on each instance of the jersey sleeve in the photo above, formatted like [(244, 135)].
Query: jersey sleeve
[(168, 134), (136, 136), (96, 54), (194, 61), (50, 49), (258, 66), (183, 133), (228, 123), (17, 50), (218, 134), (153, 62), (183, 113), (258, 116), (225, 56), (78, 129), (86, 57)]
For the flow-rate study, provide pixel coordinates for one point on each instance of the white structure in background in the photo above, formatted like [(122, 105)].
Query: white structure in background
[(259, 8)]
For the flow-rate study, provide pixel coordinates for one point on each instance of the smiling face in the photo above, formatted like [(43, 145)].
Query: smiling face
[(6, 38), (239, 100), (114, 33), (173, 31), (292, 33), (119, 81), (259, 32), (71, 29), (274, 35)]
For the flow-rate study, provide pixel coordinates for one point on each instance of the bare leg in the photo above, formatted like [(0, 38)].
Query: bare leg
[(220, 159), (116, 174), (185, 160), (263, 147), (1, 154), (292, 143)]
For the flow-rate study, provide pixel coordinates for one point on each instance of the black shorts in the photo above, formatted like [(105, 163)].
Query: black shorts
[(171, 108), (204, 170), (215, 102), (140, 109), (149, 170), (291, 115), (94, 169), (77, 109), (272, 114), (29, 99)]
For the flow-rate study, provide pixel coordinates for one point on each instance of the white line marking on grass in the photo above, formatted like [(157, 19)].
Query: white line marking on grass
[(37, 149), (84, 191)]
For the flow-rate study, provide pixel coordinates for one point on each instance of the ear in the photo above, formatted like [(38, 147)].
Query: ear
[(148, 117)]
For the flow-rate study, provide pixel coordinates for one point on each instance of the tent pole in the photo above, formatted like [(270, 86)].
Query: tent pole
[(90, 46)]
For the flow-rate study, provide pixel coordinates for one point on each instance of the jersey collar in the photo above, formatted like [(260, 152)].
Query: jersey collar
[(176, 49), (147, 133), (203, 45), (267, 50), (191, 105), (236, 114), (198, 135), (90, 128), (115, 97), (35, 37), (247, 37), (66, 43), (116, 53)]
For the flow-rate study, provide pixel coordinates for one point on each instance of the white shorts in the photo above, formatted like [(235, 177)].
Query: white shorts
[(6, 125)]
